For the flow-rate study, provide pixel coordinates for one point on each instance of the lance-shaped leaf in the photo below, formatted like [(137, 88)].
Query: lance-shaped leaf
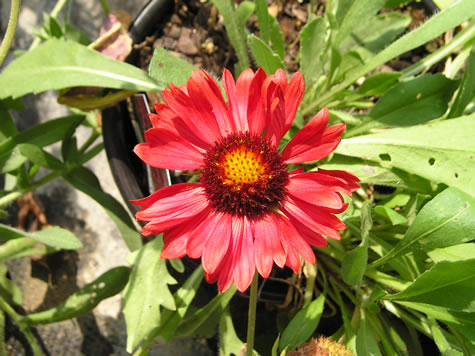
[(84, 300), (59, 64), (449, 284), (443, 152)]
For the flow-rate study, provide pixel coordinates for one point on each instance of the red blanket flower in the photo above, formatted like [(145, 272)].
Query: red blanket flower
[(247, 211)]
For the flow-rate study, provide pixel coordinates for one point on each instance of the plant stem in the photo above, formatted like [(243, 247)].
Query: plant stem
[(251, 322), (10, 33), (17, 319), (465, 36), (54, 14)]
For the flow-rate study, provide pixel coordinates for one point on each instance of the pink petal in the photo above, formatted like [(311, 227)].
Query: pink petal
[(346, 179), (175, 239), (314, 217), (244, 267), (294, 93), (313, 141), (190, 110), (217, 244), (164, 149), (291, 237), (303, 189), (205, 93), (166, 119), (172, 205), (267, 245), (214, 223)]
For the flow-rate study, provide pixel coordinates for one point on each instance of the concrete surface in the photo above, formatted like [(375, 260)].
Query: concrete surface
[(102, 332)]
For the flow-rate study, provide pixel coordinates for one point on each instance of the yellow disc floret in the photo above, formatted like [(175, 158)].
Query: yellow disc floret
[(242, 166)]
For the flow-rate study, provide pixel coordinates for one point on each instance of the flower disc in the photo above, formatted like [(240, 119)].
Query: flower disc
[(244, 175)]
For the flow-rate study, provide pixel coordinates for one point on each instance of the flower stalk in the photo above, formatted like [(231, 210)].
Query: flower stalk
[(10, 33), (251, 322)]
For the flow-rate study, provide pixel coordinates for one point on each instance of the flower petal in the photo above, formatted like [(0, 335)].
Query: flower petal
[(202, 122), (171, 205), (315, 218), (267, 245), (293, 96), (313, 141), (217, 244), (215, 223), (244, 267), (347, 181), (291, 237), (164, 149)]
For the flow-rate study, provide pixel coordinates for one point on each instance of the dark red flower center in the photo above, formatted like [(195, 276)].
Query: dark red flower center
[(244, 175)]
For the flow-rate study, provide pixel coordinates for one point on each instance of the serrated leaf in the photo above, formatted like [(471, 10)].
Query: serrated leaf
[(446, 220), (312, 46), (410, 103), (72, 65), (449, 285), (146, 291), (85, 299), (264, 56), (442, 152), (229, 342), (53, 236), (167, 68), (303, 324), (85, 180)]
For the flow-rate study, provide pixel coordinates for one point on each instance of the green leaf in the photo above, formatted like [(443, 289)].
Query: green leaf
[(446, 220), (167, 68), (448, 284), (170, 319), (85, 180), (440, 340), (234, 31), (312, 46), (229, 342), (442, 152), (196, 321), (71, 65), (40, 157), (453, 253), (355, 261), (84, 300), (11, 161), (269, 29), (9, 291), (7, 126), (441, 313), (356, 15), (20, 247), (411, 102), (303, 324), (40, 135), (388, 213), (379, 83), (145, 292), (466, 91), (54, 236), (244, 11), (264, 56), (365, 342)]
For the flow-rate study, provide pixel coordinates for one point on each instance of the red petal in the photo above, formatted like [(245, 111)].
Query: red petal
[(164, 149), (244, 267), (255, 111), (313, 141), (291, 237), (267, 245), (350, 181), (314, 217), (171, 205), (293, 96), (211, 225), (217, 244)]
